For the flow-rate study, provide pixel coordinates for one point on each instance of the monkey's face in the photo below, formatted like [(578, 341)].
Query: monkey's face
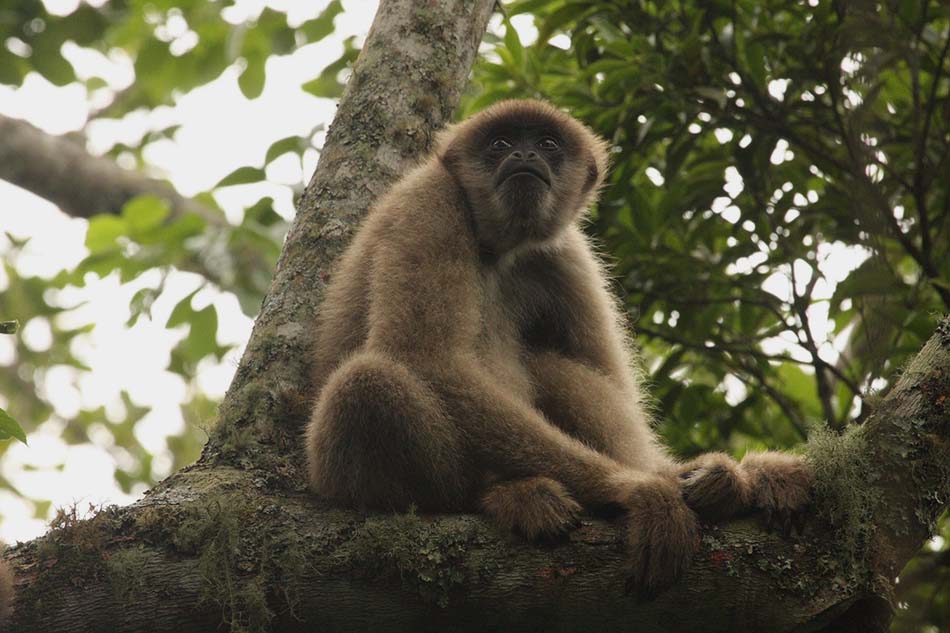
[(526, 169), (523, 162)]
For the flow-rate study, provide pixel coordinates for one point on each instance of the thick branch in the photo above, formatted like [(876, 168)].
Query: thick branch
[(80, 184)]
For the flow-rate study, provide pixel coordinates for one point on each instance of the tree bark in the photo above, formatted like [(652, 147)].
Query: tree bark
[(236, 540)]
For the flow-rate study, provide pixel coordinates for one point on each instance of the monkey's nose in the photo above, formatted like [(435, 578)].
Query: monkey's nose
[(517, 154), (531, 156)]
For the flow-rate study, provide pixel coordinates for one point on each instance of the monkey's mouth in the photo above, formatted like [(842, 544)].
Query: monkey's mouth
[(525, 170)]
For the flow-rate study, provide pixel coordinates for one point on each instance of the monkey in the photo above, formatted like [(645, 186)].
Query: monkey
[(469, 356)]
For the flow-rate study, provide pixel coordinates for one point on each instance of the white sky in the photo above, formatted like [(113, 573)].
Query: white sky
[(206, 147)]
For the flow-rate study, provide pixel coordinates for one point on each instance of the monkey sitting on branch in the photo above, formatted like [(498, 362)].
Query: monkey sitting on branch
[(469, 356)]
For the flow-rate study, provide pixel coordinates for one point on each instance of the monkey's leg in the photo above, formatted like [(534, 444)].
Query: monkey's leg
[(538, 508), (379, 438)]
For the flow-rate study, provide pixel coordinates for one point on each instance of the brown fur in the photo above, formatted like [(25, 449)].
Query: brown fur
[(538, 508), (468, 338)]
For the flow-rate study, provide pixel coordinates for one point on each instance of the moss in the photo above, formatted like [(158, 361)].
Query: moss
[(214, 531), (430, 562), (75, 544), (844, 487), (127, 570)]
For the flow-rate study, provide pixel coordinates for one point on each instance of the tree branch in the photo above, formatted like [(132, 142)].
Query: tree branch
[(80, 184)]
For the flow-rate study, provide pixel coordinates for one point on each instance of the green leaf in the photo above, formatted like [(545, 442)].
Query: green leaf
[(242, 176), (10, 428), (528, 6), (9, 327), (144, 213), (11, 67), (293, 144), (141, 303), (513, 44), (182, 312), (322, 25), (48, 61), (252, 79), (327, 85), (103, 232), (202, 339)]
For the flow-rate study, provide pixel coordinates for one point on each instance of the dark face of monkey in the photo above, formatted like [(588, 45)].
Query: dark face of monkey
[(527, 170)]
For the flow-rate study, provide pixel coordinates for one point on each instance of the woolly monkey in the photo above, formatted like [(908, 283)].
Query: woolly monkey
[(468, 354)]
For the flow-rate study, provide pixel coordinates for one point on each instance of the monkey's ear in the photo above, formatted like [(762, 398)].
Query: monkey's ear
[(598, 160), (593, 174)]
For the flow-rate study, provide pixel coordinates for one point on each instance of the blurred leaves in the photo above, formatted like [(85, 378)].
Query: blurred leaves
[(328, 84)]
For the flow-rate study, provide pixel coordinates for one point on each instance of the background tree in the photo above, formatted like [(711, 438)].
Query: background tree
[(775, 213)]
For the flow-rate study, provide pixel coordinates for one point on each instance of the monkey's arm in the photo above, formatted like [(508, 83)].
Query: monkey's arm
[(586, 380), (424, 283)]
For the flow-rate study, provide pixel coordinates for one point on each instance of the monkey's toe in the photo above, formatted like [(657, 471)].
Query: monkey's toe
[(714, 486), (537, 508), (781, 488)]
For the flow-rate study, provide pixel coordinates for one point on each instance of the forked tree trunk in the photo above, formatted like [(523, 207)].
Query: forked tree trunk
[(235, 540)]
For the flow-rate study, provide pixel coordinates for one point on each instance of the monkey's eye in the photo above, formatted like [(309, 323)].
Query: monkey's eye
[(548, 143), (499, 144)]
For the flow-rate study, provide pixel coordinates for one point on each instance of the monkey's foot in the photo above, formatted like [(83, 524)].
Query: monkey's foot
[(662, 536), (780, 486), (714, 486), (538, 508)]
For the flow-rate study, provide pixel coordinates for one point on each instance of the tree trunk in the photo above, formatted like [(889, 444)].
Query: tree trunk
[(236, 540)]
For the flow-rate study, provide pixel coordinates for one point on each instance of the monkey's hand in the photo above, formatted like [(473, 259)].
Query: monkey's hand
[(662, 533), (780, 486), (714, 486), (537, 508)]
